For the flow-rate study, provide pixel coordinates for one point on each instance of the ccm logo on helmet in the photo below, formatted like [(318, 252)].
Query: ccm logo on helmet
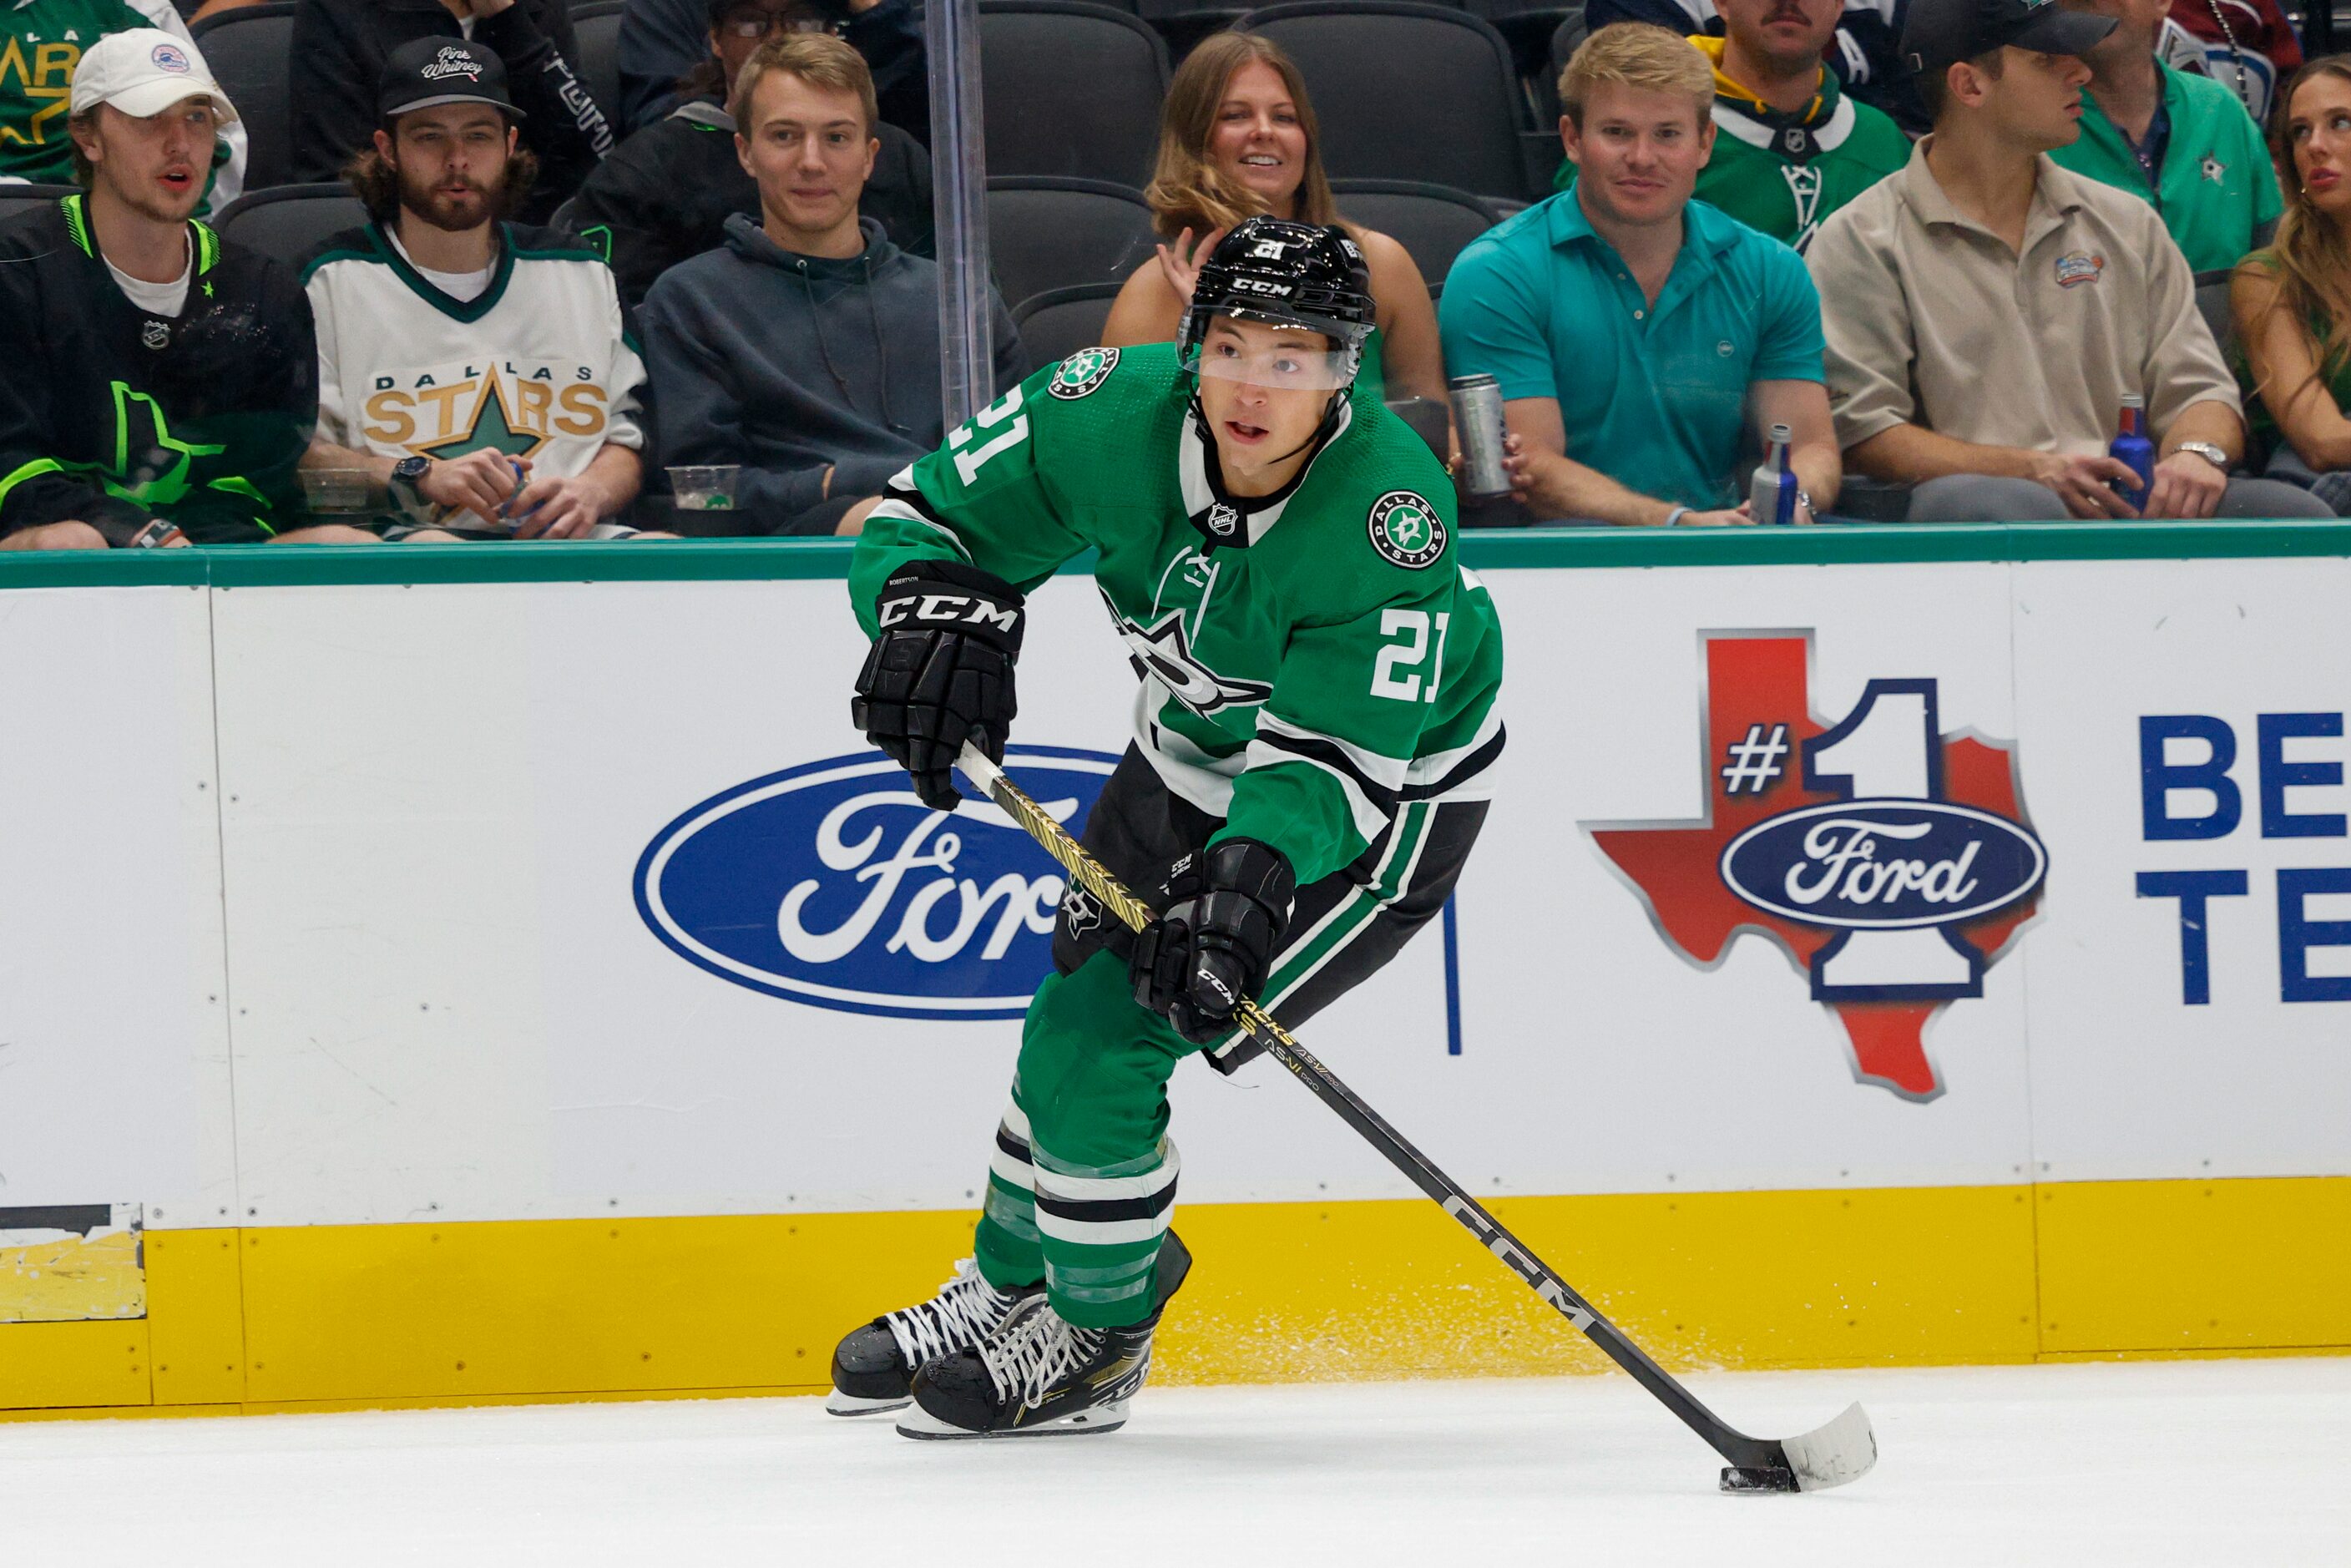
[(947, 609)]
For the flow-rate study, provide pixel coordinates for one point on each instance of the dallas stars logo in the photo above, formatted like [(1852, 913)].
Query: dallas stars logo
[(1407, 530), (1083, 372), (491, 427), (2212, 169), (1165, 650)]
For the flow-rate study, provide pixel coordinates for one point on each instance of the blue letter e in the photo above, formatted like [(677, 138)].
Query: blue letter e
[(2157, 778)]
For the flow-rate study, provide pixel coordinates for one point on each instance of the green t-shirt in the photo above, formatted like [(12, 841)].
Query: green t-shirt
[(1783, 175), (2215, 185), (1313, 661)]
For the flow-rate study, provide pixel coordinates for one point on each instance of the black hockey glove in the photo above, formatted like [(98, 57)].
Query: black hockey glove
[(940, 671), (1214, 945)]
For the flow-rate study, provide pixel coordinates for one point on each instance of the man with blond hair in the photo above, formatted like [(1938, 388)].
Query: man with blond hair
[(804, 353), (1635, 331)]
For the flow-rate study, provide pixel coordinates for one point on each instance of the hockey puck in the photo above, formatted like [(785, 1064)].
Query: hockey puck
[(1759, 1478)]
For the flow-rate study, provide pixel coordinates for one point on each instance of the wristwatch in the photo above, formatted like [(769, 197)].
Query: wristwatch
[(406, 474), (2207, 451)]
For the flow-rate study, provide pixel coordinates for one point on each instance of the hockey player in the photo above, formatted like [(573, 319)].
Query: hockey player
[(1311, 744)]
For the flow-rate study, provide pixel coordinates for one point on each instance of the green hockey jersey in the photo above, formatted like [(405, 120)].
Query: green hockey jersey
[(1312, 660), (41, 42)]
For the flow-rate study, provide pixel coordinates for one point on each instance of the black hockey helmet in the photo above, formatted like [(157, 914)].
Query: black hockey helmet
[(1287, 275)]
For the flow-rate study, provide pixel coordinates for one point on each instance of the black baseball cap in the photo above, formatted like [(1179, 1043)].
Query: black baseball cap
[(425, 73), (1940, 33)]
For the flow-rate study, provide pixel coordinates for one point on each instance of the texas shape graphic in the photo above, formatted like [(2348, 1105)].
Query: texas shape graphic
[(1755, 684)]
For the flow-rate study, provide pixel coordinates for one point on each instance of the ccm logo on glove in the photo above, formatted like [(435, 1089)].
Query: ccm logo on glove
[(948, 609)]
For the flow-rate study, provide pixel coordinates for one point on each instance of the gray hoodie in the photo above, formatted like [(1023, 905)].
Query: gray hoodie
[(784, 363)]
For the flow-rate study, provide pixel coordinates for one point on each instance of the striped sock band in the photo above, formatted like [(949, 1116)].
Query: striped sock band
[(1100, 1229), (1007, 1245)]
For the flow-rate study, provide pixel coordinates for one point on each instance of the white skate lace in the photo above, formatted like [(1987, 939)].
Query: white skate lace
[(1036, 1351), (966, 1310)]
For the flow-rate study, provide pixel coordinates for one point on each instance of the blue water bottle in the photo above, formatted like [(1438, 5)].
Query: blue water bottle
[(1772, 496), (2133, 451)]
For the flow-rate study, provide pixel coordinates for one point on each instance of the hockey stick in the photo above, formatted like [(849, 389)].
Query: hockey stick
[(1829, 1456)]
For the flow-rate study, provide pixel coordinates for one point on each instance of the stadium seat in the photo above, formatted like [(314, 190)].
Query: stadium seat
[(1045, 233), (1407, 91), (596, 25), (1433, 222), (249, 50), (287, 222), (1184, 22), (1070, 90), (16, 199), (2212, 302), (1530, 25), (1060, 321)]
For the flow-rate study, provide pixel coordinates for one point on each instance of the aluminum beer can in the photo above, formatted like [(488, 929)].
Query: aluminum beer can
[(1478, 424)]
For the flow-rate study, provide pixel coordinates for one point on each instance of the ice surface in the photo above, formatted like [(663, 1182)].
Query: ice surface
[(2216, 1463)]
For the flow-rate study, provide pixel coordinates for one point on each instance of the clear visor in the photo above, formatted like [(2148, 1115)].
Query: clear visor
[(1300, 365)]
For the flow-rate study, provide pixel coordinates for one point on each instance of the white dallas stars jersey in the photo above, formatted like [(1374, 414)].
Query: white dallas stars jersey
[(541, 365)]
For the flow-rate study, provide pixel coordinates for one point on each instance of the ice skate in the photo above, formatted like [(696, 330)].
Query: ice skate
[(1040, 1375), (874, 1367)]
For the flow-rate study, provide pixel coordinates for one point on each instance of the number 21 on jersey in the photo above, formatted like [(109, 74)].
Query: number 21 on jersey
[(969, 463), (1405, 642)]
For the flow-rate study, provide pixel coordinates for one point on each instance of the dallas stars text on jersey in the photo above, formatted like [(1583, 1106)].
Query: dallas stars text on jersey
[(1312, 660)]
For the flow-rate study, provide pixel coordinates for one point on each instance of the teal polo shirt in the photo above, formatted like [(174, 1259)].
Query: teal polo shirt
[(2215, 185), (1656, 398)]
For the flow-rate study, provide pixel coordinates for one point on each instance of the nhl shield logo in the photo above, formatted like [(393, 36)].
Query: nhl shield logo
[(155, 335), (1223, 520), (1083, 372), (1407, 530)]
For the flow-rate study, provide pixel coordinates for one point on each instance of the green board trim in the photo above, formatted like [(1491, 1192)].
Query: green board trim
[(758, 560)]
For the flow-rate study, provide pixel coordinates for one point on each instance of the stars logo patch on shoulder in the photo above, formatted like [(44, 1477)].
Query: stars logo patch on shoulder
[(1407, 530), (1082, 372)]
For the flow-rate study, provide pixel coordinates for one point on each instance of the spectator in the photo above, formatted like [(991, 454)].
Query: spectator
[(666, 193), (1988, 311), (1862, 50), (2249, 45), (1630, 326), (662, 46), (2182, 141), (1795, 147), (806, 352), (2288, 300), (162, 380), (480, 374), (1238, 138), (341, 48), (41, 41)]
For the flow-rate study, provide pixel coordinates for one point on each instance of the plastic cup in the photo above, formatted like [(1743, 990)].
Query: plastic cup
[(710, 489), (335, 490)]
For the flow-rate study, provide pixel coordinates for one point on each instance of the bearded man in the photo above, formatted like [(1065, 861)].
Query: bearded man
[(480, 374)]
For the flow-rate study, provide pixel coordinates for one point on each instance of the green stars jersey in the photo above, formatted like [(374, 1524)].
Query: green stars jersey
[(1312, 661)]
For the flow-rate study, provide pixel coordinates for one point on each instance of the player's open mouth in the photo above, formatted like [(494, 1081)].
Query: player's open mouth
[(1242, 432)]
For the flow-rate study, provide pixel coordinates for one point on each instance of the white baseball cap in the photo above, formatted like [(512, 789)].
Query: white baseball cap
[(144, 71)]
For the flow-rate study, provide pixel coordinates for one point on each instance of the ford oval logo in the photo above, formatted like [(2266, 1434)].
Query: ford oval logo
[(1877, 865), (831, 884)]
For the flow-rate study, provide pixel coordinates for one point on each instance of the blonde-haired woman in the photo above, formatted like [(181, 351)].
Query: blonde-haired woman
[(2291, 303), (1236, 140)]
